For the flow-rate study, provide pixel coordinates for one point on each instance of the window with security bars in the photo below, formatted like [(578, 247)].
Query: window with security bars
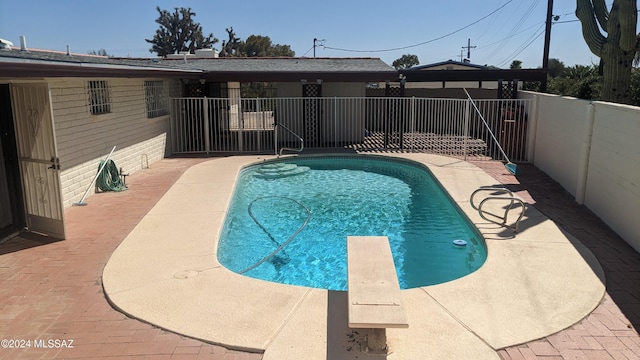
[(155, 98), (99, 97)]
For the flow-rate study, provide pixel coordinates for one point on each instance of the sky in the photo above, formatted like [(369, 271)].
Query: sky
[(499, 31)]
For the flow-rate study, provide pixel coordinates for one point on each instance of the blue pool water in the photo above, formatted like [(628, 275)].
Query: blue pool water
[(308, 207)]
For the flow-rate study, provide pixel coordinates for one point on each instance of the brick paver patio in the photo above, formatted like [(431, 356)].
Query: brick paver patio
[(610, 331), (52, 290)]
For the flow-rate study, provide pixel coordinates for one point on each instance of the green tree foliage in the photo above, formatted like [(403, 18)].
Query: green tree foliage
[(635, 87), (556, 67), (261, 46), (258, 90), (516, 64), (579, 81), (617, 48), (178, 32), (405, 61)]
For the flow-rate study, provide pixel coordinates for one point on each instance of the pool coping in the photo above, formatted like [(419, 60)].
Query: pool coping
[(166, 273)]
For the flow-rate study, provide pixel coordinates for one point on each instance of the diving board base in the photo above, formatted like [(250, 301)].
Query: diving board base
[(375, 342)]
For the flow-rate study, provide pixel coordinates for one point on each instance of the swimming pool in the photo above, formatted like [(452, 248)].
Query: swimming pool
[(289, 219)]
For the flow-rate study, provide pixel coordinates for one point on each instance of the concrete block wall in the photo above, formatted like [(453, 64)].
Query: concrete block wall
[(559, 135), (613, 180), (592, 150), (84, 139)]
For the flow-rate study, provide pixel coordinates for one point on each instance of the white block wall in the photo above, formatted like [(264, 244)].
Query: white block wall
[(559, 136), (613, 182), (595, 156), (76, 180), (83, 139)]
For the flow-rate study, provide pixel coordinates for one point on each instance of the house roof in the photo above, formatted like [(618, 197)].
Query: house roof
[(291, 69), (453, 63), (438, 72), (15, 63), (36, 63)]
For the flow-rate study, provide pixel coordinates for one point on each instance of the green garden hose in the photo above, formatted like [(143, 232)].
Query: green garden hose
[(109, 179)]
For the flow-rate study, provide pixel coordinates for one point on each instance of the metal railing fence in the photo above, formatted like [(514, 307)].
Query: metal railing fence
[(366, 124)]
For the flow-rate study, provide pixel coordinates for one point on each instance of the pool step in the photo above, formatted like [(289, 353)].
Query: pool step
[(279, 170)]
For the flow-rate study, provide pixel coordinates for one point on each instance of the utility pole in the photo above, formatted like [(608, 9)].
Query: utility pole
[(547, 41), (315, 42), (469, 47)]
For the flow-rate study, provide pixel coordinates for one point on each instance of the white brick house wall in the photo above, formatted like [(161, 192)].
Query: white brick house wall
[(84, 139)]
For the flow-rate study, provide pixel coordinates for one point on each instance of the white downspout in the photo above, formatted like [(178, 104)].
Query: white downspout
[(585, 154)]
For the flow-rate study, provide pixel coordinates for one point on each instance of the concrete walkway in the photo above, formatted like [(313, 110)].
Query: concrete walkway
[(53, 290), (521, 293), (610, 331)]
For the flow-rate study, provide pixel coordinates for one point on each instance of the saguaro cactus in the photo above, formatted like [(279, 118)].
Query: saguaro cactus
[(615, 50)]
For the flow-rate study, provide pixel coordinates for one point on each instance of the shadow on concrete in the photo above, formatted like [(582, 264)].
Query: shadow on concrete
[(620, 262), (24, 241), (343, 343)]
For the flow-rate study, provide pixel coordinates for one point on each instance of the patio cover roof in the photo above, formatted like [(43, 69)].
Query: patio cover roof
[(488, 74), (465, 71)]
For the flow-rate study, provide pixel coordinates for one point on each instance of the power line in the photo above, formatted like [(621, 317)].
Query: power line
[(522, 47), (484, 47), (488, 26), (510, 36), (311, 48), (516, 27), (424, 42)]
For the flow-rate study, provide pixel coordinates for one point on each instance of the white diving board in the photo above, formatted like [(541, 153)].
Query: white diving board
[(375, 299)]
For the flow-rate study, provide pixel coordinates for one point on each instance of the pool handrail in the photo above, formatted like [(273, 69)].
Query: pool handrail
[(290, 132), (498, 194)]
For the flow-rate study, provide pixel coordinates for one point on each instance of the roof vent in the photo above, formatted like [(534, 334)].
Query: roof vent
[(23, 43)]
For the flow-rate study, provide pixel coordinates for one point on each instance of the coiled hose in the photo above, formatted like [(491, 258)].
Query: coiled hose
[(281, 246), (109, 179)]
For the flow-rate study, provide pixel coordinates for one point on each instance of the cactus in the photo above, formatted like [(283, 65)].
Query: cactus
[(617, 49)]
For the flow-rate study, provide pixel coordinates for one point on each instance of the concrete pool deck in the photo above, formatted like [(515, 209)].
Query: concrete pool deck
[(532, 285)]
